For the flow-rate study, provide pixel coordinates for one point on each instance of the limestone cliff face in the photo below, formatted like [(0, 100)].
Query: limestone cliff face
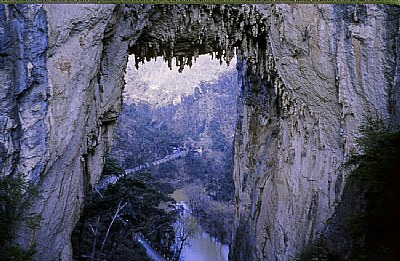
[(59, 102), (309, 74), (327, 68), (62, 75)]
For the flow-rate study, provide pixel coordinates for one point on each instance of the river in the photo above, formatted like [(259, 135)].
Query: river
[(200, 246)]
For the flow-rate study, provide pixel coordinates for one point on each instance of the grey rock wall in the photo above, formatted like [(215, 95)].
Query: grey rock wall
[(24, 78), (329, 67), (58, 110)]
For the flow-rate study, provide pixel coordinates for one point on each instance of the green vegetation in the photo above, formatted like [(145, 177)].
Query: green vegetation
[(15, 198), (215, 176), (112, 167), (317, 251), (373, 183), (215, 217), (143, 136), (376, 171), (203, 123), (114, 215)]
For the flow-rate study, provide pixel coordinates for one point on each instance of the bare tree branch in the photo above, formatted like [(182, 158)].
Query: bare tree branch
[(119, 208), (95, 236)]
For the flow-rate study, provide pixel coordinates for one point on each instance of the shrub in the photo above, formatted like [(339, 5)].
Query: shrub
[(15, 199), (376, 171)]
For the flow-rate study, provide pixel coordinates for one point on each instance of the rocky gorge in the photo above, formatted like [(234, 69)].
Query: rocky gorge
[(308, 75)]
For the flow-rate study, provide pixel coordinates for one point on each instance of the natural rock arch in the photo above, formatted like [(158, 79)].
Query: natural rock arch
[(296, 70)]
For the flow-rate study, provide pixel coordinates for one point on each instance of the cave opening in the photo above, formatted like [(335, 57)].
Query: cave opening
[(176, 130), (175, 135), (178, 127)]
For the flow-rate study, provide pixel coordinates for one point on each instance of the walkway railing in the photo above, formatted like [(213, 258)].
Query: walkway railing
[(181, 154), (112, 179)]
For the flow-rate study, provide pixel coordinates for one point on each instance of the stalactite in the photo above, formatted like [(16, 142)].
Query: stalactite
[(217, 36)]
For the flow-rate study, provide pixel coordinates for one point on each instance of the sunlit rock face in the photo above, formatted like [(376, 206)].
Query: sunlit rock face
[(59, 102), (309, 75)]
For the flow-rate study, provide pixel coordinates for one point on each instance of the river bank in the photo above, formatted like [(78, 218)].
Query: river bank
[(199, 246)]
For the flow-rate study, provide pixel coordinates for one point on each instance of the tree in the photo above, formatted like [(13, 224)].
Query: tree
[(113, 215), (16, 196), (375, 170), (216, 217), (112, 167), (185, 228)]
